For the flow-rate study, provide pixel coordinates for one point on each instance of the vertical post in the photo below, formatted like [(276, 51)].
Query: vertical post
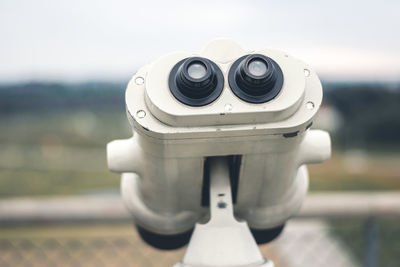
[(221, 206), (222, 241), (371, 232)]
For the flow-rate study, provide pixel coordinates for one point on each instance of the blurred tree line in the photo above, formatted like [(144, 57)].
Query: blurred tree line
[(370, 114), (369, 111), (38, 97)]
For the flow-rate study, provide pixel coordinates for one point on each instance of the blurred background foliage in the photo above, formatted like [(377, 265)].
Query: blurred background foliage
[(53, 137)]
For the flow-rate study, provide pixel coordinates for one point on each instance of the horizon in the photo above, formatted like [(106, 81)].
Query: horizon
[(327, 84)]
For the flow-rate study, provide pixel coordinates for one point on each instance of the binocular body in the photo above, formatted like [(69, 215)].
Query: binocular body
[(257, 114)]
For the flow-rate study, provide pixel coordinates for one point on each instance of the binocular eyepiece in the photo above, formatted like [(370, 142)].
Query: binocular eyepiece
[(197, 81), (255, 78)]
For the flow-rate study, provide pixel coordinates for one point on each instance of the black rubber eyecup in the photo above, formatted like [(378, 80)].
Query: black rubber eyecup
[(197, 89), (255, 87)]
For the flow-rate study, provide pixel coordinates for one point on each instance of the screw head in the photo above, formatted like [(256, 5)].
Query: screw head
[(141, 114), (310, 105), (228, 107), (139, 80)]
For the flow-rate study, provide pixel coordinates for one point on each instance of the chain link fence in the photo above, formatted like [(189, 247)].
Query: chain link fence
[(308, 243), (99, 232), (87, 245)]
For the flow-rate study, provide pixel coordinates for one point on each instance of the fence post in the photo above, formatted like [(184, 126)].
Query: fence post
[(371, 233)]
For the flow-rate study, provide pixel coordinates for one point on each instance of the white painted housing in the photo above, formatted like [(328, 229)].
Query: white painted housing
[(163, 161)]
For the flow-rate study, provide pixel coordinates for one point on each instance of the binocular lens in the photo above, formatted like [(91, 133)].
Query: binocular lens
[(197, 70), (255, 78), (196, 81), (257, 67)]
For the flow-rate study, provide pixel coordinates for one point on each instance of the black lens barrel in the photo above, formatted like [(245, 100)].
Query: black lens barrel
[(197, 81), (199, 88), (255, 84)]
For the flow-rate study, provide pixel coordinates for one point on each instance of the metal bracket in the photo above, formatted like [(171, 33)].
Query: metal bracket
[(222, 241)]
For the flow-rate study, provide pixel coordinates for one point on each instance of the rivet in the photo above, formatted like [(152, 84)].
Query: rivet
[(139, 80), (309, 105), (141, 114)]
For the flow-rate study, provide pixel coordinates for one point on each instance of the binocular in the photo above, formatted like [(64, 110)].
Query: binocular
[(253, 107)]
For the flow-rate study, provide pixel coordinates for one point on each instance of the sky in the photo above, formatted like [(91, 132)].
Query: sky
[(80, 40)]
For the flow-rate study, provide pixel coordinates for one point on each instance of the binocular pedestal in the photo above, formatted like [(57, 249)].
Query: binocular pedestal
[(222, 241)]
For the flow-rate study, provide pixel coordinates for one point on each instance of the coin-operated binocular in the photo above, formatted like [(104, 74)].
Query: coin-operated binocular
[(226, 112)]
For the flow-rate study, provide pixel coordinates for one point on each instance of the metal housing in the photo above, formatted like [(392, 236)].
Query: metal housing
[(164, 159)]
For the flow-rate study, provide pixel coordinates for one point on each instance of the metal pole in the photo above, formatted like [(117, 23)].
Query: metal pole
[(371, 233), (222, 241)]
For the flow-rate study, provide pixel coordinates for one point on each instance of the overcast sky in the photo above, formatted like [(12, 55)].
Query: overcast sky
[(77, 40)]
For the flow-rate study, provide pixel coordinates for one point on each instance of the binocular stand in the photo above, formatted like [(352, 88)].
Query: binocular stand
[(222, 241)]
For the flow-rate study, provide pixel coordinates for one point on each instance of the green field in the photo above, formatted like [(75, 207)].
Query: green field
[(58, 153)]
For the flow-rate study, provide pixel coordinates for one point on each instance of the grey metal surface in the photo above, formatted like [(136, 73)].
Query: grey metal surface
[(68, 209), (351, 204), (111, 208)]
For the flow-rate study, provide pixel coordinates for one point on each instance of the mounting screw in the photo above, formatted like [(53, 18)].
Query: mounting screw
[(141, 114), (139, 80), (310, 105)]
